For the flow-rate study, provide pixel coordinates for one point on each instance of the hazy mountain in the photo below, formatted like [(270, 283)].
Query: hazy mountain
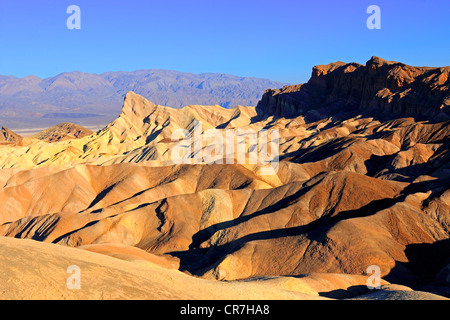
[(97, 98)]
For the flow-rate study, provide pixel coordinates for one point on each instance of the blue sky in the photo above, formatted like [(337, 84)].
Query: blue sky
[(280, 40)]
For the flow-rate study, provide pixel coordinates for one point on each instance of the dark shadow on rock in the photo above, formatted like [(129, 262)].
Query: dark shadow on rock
[(381, 166), (197, 260), (101, 195), (321, 152), (205, 234), (42, 232), (425, 260), (226, 123), (73, 231), (350, 292)]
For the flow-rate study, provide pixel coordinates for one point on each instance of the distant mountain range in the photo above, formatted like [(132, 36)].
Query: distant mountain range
[(90, 99)]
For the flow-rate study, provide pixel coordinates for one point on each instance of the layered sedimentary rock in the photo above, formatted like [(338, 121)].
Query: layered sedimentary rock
[(63, 131), (8, 136), (380, 86), (349, 192)]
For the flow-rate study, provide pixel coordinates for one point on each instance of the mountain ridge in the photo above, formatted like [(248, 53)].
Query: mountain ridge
[(8, 136), (63, 131), (97, 98), (376, 88)]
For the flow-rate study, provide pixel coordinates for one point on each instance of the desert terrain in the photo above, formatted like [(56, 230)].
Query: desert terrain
[(361, 179)]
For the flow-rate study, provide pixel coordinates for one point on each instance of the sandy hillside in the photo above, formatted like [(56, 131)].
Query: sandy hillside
[(33, 270)]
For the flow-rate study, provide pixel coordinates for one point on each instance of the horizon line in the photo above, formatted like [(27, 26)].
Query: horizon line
[(140, 70)]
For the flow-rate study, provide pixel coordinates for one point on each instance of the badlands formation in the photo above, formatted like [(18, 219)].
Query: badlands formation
[(362, 181)]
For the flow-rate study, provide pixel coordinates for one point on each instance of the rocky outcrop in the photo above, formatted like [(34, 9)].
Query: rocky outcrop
[(8, 136), (63, 131), (379, 87)]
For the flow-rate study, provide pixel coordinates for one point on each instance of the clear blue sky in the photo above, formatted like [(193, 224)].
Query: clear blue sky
[(280, 40)]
